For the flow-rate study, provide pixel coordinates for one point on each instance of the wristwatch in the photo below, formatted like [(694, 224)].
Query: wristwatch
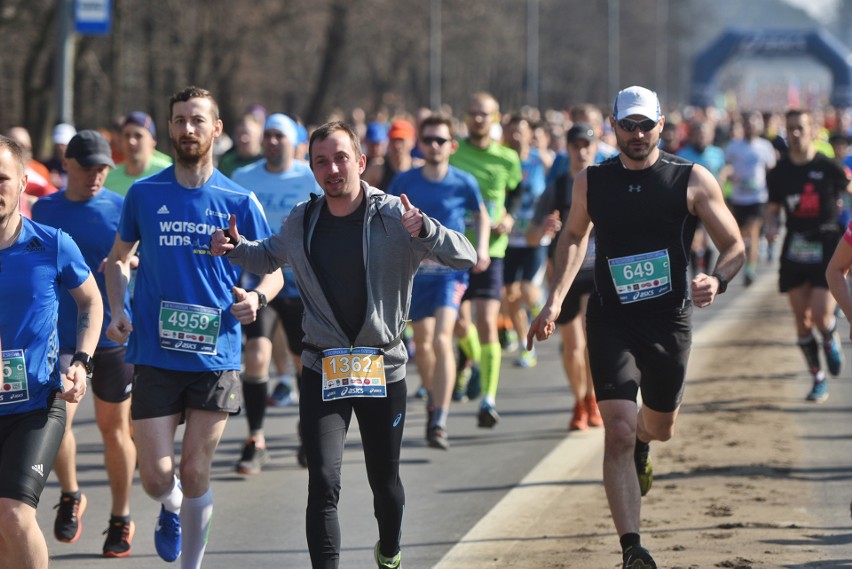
[(84, 359), (261, 298), (723, 284)]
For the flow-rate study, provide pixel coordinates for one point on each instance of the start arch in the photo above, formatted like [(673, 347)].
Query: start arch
[(818, 44)]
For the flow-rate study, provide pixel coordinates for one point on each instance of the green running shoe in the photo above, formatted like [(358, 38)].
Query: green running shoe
[(387, 562), (644, 469)]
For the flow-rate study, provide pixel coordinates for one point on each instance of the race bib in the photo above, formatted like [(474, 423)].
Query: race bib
[(14, 388), (803, 251), (189, 327), (353, 372), (641, 277)]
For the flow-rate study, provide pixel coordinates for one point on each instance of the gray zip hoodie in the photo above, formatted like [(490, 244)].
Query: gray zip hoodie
[(391, 257)]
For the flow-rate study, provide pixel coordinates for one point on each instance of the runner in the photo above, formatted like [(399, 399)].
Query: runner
[(185, 342), (807, 185), (89, 214), (448, 195), (36, 262), (340, 246), (644, 204)]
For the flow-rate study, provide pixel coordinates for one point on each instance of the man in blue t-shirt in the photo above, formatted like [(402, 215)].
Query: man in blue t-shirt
[(280, 182), (449, 195), (187, 310), (36, 262), (89, 214)]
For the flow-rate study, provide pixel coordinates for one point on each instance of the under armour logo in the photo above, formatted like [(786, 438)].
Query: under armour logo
[(632, 188), (39, 468)]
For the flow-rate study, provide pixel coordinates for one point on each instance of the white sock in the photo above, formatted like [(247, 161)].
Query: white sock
[(195, 518), (172, 499)]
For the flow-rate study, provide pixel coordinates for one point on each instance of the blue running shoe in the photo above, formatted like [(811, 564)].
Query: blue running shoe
[(167, 535), (833, 354), (488, 416), (474, 385), (819, 392)]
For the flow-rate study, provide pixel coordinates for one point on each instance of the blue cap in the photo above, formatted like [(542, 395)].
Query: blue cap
[(376, 132), (284, 124)]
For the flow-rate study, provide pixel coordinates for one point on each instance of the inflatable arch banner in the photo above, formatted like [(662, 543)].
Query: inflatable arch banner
[(819, 45)]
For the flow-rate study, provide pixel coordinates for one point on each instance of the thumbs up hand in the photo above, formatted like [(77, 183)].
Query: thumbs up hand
[(412, 219), (221, 242)]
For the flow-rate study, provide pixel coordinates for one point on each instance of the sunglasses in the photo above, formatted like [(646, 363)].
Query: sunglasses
[(631, 125), (429, 140)]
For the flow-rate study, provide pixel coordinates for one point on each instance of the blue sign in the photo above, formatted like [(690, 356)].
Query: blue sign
[(92, 17)]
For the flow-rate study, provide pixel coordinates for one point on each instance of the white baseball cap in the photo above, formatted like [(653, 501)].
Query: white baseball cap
[(63, 133), (637, 101)]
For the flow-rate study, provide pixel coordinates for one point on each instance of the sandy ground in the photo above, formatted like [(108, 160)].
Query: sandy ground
[(723, 493)]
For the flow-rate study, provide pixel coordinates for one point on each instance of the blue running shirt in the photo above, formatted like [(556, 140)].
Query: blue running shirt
[(173, 225), (92, 224), (32, 270)]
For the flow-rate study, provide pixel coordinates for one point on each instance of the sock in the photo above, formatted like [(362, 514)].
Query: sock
[(641, 447), (254, 398), (119, 519), (809, 347), (470, 345), (172, 499), (827, 333), (490, 368), (77, 495), (629, 540), (195, 518), (440, 418)]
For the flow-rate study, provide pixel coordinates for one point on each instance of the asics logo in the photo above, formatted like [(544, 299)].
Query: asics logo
[(397, 420)]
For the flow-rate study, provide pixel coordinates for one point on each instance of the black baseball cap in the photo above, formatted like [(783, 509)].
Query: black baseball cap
[(90, 148), (580, 131)]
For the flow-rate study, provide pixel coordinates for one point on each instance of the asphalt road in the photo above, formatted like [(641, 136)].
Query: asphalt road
[(259, 520)]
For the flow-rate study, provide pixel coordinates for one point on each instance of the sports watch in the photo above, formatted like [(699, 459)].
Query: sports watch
[(723, 284), (84, 359), (261, 298)]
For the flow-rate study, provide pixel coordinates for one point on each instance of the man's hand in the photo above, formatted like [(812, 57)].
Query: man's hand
[(76, 376), (221, 242), (483, 260), (119, 328), (543, 326), (704, 288), (245, 305), (552, 224), (412, 219), (505, 226)]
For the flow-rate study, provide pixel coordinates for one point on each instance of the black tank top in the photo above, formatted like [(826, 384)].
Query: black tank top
[(644, 230)]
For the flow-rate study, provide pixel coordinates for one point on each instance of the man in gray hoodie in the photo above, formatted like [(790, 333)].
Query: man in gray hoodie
[(354, 252)]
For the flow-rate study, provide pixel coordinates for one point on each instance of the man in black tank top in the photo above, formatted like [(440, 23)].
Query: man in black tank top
[(644, 204)]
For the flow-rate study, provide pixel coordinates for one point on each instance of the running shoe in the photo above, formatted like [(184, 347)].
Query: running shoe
[(580, 418), (488, 416), (167, 535), (69, 513), (119, 536), (421, 393), (527, 359), (595, 419), (644, 470), (283, 396), (833, 354), (819, 392), (474, 386), (437, 438), (750, 276), (253, 458), (637, 557), (462, 380), (386, 562), (509, 340)]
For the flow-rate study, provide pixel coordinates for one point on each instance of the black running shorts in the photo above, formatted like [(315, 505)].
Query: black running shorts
[(28, 446), (162, 392), (290, 312), (584, 284), (112, 378), (647, 351)]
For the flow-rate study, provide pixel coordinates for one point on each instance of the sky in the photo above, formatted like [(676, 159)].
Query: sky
[(822, 10)]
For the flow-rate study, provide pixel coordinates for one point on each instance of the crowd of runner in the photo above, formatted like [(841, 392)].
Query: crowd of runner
[(502, 226)]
